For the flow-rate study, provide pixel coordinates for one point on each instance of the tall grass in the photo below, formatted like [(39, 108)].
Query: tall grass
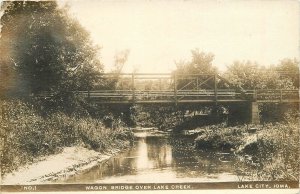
[(220, 137), (271, 154), (277, 153), (29, 136)]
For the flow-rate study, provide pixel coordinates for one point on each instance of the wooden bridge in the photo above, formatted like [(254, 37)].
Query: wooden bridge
[(192, 88), (177, 89), (189, 96)]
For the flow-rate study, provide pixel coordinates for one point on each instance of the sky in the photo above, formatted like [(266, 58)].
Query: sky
[(160, 32)]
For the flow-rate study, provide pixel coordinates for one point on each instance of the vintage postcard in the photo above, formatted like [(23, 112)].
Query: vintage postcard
[(149, 95)]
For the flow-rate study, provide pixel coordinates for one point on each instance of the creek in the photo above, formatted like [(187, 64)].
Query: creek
[(161, 158)]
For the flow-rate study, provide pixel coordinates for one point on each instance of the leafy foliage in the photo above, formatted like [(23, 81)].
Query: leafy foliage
[(45, 49), (201, 63), (276, 153), (271, 153), (29, 136), (252, 76), (220, 137), (249, 75), (289, 69)]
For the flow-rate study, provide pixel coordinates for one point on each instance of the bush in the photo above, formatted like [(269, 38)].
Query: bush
[(29, 136), (278, 152), (220, 137), (271, 153)]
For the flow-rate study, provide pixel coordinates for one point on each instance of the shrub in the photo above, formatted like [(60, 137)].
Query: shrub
[(220, 137), (29, 136), (278, 151)]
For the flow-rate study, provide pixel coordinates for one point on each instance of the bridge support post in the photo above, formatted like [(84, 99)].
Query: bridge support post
[(215, 89), (133, 88), (175, 89), (89, 95), (254, 113)]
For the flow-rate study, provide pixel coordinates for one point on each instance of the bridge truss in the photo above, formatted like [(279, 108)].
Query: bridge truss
[(148, 88)]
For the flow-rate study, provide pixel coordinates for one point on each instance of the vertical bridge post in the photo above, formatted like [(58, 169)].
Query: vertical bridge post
[(254, 109), (89, 95), (215, 89), (254, 113), (133, 88), (175, 88)]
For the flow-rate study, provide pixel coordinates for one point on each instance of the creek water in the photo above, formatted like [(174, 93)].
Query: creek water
[(163, 158)]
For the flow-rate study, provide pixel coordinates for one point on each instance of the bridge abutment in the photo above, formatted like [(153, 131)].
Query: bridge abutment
[(244, 112), (254, 111)]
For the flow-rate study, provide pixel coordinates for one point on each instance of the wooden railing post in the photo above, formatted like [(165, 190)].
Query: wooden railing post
[(254, 95), (216, 88), (133, 87), (175, 88), (89, 95)]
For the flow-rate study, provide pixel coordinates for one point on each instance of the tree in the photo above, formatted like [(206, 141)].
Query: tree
[(201, 63), (114, 80), (121, 58), (45, 49), (289, 69), (250, 75)]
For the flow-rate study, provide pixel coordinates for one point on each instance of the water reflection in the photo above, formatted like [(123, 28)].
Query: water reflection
[(161, 159), (158, 152)]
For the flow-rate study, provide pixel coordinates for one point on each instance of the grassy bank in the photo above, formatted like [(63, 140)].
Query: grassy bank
[(28, 135), (266, 152), (220, 137)]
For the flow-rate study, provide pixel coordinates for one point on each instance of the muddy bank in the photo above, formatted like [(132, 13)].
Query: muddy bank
[(29, 134), (219, 137), (270, 151), (72, 160)]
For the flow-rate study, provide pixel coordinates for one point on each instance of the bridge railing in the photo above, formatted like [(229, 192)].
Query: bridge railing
[(181, 95), (276, 95), (167, 95), (266, 95)]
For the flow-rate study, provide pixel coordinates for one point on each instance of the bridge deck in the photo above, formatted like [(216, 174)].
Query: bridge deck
[(189, 96), (182, 88)]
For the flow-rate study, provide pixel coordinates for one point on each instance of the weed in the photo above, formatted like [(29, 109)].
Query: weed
[(29, 136)]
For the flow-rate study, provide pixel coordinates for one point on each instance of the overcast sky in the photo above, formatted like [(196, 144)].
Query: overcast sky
[(158, 32)]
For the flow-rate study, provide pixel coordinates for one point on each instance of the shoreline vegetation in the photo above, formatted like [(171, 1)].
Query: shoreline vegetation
[(265, 152), (30, 137)]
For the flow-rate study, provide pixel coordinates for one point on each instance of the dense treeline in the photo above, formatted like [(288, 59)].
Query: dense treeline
[(243, 75)]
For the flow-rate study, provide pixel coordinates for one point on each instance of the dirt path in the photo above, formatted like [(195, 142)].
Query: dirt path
[(71, 161)]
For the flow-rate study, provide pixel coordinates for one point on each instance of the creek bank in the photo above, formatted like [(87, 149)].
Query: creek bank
[(238, 139), (271, 151), (72, 160), (219, 137), (29, 136)]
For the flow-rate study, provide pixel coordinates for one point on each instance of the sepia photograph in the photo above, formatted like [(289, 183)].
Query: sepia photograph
[(149, 95)]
